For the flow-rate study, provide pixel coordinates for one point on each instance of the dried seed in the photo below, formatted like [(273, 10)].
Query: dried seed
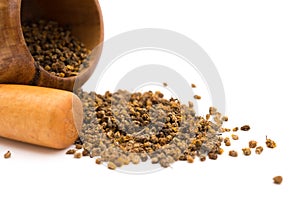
[(78, 155), (227, 141), (189, 159), (85, 152), (207, 116), (234, 137), (259, 150), (212, 110), (7, 155), (98, 161), (245, 128), (197, 97), (165, 84), (270, 143), (78, 146), (225, 118), (164, 163), (246, 151), (212, 156), (235, 129), (202, 158), (252, 144), (220, 151), (193, 85), (233, 153), (154, 160), (277, 180), (111, 165), (71, 151)]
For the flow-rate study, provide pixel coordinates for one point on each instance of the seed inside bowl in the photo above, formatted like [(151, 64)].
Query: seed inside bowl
[(55, 48)]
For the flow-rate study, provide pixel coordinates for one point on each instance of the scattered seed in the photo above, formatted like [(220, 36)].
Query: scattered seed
[(233, 153), (202, 158), (235, 129), (98, 161), (245, 128), (277, 180), (252, 144), (165, 84), (212, 156), (225, 118), (193, 85), (78, 155), (212, 110), (78, 146), (270, 143), (234, 137), (154, 160), (221, 151), (85, 152), (197, 97), (246, 151), (7, 155), (259, 150), (227, 141), (71, 151), (111, 165), (189, 159)]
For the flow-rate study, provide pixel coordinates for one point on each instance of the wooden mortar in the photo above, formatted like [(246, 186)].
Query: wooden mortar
[(17, 66)]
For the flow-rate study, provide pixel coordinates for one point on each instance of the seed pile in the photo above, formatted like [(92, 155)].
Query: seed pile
[(122, 127), (54, 48)]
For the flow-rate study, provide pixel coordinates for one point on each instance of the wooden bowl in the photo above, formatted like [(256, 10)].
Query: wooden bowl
[(17, 66)]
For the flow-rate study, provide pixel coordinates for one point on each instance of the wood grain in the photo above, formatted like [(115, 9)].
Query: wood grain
[(17, 66)]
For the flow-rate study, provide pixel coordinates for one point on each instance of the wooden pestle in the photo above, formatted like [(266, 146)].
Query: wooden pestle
[(16, 63), (41, 116)]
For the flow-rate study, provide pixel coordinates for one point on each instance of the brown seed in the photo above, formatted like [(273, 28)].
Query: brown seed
[(189, 159), (207, 116), (245, 128), (270, 143), (193, 85), (259, 150), (78, 146), (111, 165), (85, 152), (246, 151), (7, 155), (78, 155), (220, 151), (235, 129), (225, 118), (234, 137), (212, 110), (277, 180), (164, 163), (165, 84), (71, 151), (227, 141), (98, 161), (252, 144), (233, 153), (202, 158), (212, 156), (154, 160), (197, 97)]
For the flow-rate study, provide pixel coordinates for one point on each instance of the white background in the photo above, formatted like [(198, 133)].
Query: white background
[(255, 46)]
